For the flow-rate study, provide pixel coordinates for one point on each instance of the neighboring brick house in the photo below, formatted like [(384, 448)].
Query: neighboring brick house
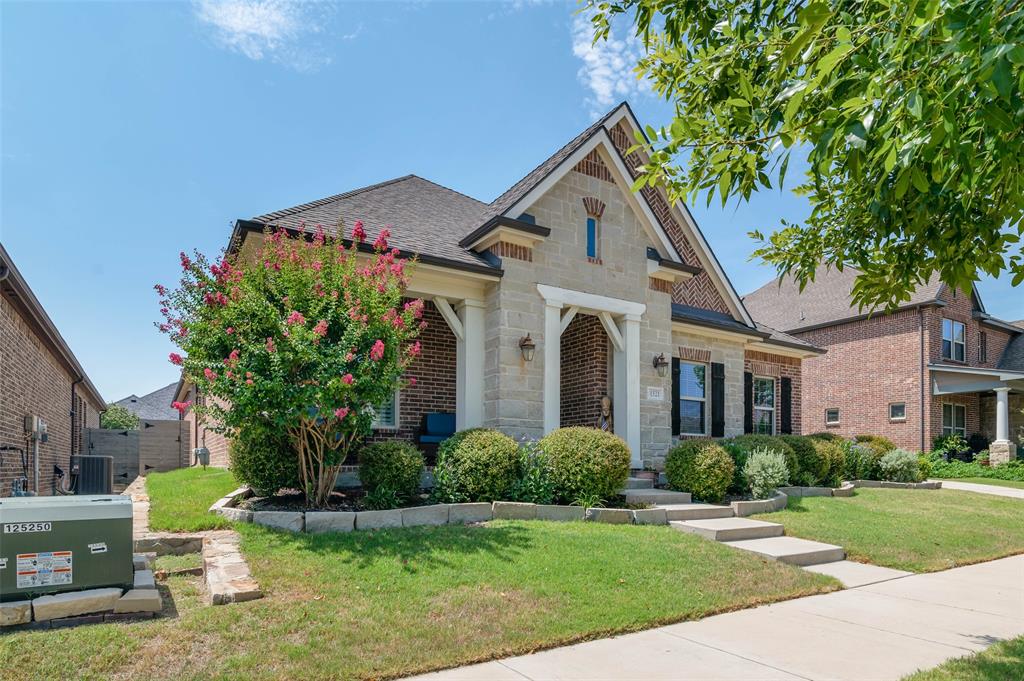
[(618, 291), (936, 365), (39, 376)]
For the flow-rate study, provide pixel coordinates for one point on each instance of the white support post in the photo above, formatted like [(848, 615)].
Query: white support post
[(631, 336), (552, 365), (469, 366), (1002, 414)]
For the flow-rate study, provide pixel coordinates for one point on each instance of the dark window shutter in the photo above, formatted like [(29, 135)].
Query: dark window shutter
[(748, 402), (786, 408), (675, 396), (717, 400)]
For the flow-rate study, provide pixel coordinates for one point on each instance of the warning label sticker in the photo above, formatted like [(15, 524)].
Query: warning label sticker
[(43, 569)]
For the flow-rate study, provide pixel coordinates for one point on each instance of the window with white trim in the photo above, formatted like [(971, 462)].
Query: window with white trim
[(386, 415), (831, 417), (954, 419), (954, 340), (692, 398), (898, 411), (764, 405)]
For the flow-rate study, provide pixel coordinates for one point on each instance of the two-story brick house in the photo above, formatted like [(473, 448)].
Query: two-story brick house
[(566, 288), (938, 364)]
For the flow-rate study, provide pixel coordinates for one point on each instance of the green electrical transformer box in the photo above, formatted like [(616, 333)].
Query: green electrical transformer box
[(67, 543)]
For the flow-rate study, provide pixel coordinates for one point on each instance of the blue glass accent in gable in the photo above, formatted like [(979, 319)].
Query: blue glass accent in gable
[(526, 217), (591, 238)]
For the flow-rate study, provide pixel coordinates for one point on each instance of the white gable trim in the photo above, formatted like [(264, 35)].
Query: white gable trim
[(696, 238), (610, 156)]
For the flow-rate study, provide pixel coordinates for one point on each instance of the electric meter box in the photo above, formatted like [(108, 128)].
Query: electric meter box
[(66, 543)]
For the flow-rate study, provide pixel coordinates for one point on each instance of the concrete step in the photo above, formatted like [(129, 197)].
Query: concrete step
[(655, 496), (792, 550), (696, 511), (729, 529), (639, 483)]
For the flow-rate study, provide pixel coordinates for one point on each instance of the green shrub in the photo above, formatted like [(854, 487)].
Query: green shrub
[(1012, 470), (881, 445), (861, 461), (924, 463), (835, 461), (765, 471), (264, 459), (586, 463), (952, 446), (899, 465), (739, 455), (381, 499), (701, 467), (813, 466), (831, 437), (748, 443), (534, 484), (394, 465), (478, 464)]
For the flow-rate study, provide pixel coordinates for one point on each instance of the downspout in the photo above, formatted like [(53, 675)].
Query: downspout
[(920, 325), (73, 414)]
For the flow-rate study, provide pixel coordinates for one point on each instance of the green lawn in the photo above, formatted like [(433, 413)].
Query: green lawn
[(1001, 662), (179, 501), (395, 602), (916, 530), (990, 481)]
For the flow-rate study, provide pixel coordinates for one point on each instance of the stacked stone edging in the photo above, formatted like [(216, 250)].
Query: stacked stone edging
[(778, 502)]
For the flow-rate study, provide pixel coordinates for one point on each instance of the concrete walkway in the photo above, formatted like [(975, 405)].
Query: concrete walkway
[(880, 631), (984, 489)]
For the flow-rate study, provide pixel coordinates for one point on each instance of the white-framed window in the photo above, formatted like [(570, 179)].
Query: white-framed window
[(386, 415), (764, 405), (692, 398), (954, 419), (954, 340), (832, 417), (898, 411)]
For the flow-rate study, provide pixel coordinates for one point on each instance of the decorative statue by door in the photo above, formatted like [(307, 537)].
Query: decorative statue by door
[(604, 421)]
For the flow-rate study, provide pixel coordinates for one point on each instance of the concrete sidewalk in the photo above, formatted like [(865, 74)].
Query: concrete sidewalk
[(983, 489), (880, 631)]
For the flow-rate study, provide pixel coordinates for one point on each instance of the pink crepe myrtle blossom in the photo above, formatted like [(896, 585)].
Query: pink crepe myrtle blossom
[(317, 265), (270, 345), (415, 349), (210, 374), (350, 356), (347, 379), (377, 351), (321, 328), (412, 380), (358, 233), (186, 262), (296, 318), (230, 330), (182, 407), (175, 358), (341, 412), (382, 239), (248, 381), (160, 289)]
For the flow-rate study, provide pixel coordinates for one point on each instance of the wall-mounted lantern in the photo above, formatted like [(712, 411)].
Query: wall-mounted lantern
[(661, 365), (527, 347)]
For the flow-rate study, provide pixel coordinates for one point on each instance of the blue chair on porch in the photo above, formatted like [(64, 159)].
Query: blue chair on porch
[(435, 428)]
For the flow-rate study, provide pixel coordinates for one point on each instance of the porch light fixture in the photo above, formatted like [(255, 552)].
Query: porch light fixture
[(661, 365), (527, 347)]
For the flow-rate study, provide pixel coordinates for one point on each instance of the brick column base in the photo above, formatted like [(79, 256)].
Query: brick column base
[(1001, 451)]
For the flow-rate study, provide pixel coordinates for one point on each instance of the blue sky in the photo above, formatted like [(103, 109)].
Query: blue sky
[(131, 131)]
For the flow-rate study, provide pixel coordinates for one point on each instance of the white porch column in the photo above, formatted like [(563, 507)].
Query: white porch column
[(1002, 414), (552, 365), (627, 387), (469, 366)]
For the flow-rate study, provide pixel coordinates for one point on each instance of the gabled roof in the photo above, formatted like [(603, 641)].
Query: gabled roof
[(1013, 355), (154, 406), (826, 300), (718, 320)]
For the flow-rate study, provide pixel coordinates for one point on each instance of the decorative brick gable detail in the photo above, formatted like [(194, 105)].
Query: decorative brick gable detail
[(504, 249), (698, 291), (584, 377), (594, 207), (694, 354), (593, 166), (660, 285)]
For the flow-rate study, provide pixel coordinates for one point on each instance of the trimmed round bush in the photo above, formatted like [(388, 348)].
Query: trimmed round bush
[(478, 464), (765, 471), (899, 465), (881, 445), (701, 467), (264, 459), (586, 463), (749, 443), (835, 460), (812, 465), (395, 466)]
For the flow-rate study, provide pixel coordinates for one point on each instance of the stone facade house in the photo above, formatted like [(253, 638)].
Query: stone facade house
[(39, 376), (617, 291), (938, 364)]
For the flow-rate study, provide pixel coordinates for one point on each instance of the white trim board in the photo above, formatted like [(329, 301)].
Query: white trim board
[(591, 301)]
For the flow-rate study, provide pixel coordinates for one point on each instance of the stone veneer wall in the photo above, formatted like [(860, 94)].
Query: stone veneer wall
[(584, 371)]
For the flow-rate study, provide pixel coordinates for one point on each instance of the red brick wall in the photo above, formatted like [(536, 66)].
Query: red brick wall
[(584, 377), (434, 371), (34, 381), (779, 366), (203, 436), (959, 308), (869, 364)]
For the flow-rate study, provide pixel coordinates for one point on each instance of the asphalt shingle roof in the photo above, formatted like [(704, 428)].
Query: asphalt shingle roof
[(155, 406), (781, 305)]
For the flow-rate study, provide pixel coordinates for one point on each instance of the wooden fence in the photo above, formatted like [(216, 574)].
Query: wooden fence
[(155, 446)]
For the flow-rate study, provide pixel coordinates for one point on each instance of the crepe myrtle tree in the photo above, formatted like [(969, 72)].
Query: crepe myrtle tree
[(909, 112), (307, 336)]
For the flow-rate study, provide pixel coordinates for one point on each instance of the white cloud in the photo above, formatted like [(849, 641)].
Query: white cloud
[(608, 65), (276, 30)]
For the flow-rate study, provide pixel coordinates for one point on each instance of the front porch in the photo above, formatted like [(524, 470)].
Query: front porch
[(996, 397)]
